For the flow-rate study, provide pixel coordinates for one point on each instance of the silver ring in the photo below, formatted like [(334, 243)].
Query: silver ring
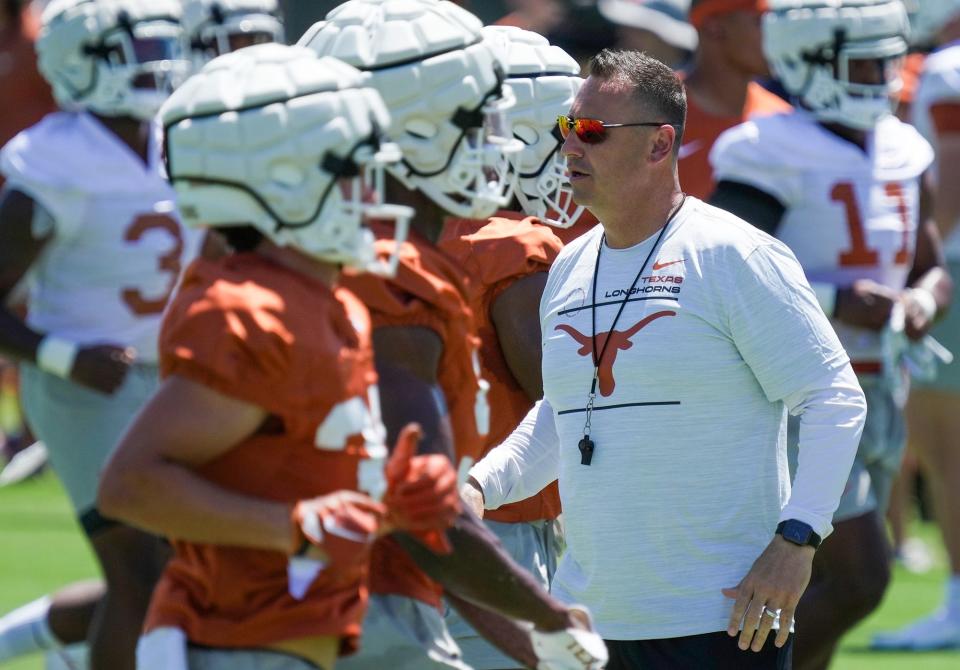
[(770, 612)]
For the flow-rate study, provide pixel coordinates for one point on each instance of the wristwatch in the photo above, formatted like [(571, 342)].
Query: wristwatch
[(799, 533)]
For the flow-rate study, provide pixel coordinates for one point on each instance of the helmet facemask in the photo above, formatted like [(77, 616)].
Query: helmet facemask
[(137, 66), (226, 33), (544, 80), (354, 196), (542, 185), (836, 94), (476, 179), (545, 192)]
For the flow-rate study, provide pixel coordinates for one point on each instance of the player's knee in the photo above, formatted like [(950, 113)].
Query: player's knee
[(862, 590)]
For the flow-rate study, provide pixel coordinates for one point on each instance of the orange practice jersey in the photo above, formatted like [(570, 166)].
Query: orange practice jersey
[(496, 253), (703, 129), (255, 331), (20, 79), (428, 291), (29, 94), (586, 221), (910, 73)]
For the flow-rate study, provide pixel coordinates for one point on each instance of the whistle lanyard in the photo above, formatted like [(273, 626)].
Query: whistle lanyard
[(587, 445)]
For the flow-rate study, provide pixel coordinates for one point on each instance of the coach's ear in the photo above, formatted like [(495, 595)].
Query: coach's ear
[(661, 146)]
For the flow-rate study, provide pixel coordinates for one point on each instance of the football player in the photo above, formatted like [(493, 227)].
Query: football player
[(215, 27), (87, 215), (506, 257), (841, 181), (443, 85), (253, 453), (932, 418)]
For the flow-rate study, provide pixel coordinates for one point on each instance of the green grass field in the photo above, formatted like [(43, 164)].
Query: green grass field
[(41, 548)]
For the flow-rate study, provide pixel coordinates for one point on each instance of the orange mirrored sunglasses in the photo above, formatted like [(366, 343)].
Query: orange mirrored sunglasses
[(594, 131)]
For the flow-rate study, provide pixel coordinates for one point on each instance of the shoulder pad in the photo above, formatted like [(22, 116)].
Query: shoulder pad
[(760, 153), (505, 248)]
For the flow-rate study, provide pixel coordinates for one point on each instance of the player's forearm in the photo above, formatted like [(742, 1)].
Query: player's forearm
[(507, 635), (169, 499), (17, 340), (480, 572)]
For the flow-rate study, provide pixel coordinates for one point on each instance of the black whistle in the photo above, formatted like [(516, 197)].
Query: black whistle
[(586, 450)]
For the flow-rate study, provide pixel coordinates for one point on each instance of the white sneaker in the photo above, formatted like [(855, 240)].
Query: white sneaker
[(24, 464), (915, 556), (937, 631)]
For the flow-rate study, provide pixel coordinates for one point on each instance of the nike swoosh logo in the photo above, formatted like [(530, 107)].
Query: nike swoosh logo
[(690, 148), (660, 266)]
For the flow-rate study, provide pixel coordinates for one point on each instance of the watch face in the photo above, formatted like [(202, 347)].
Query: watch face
[(796, 533)]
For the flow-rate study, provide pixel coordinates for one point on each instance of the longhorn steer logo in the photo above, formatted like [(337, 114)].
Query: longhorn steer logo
[(619, 340)]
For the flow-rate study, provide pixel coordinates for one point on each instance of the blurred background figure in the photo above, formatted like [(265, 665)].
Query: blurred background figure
[(722, 83), (932, 416), (541, 16), (658, 27), (215, 27), (19, 77)]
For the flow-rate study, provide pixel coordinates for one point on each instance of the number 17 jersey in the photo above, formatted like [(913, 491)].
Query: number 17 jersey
[(850, 213), (117, 245)]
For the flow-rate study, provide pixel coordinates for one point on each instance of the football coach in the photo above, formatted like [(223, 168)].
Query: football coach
[(675, 339)]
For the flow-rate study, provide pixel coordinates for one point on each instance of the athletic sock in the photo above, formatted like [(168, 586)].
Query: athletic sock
[(26, 630)]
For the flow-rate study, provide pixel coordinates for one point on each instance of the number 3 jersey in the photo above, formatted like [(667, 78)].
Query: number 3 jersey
[(850, 213), (117, 246)]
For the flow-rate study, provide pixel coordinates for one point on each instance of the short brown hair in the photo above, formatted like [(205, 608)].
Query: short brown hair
[(656, 86)]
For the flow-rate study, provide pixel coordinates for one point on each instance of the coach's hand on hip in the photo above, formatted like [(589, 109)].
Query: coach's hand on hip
[(774, 585)]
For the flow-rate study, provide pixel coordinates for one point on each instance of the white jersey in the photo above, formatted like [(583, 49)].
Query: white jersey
[(118, 245), (939, 93), (689, 476), (850, 214)]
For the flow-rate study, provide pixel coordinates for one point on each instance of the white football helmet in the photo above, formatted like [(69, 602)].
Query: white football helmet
[(928, 17), (813, 44), (276, 137), (113, 57), (544, 80), (444, 87), (215, 27)]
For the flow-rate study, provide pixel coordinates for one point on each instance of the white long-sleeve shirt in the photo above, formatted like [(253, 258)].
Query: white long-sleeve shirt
[(721, 337)]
